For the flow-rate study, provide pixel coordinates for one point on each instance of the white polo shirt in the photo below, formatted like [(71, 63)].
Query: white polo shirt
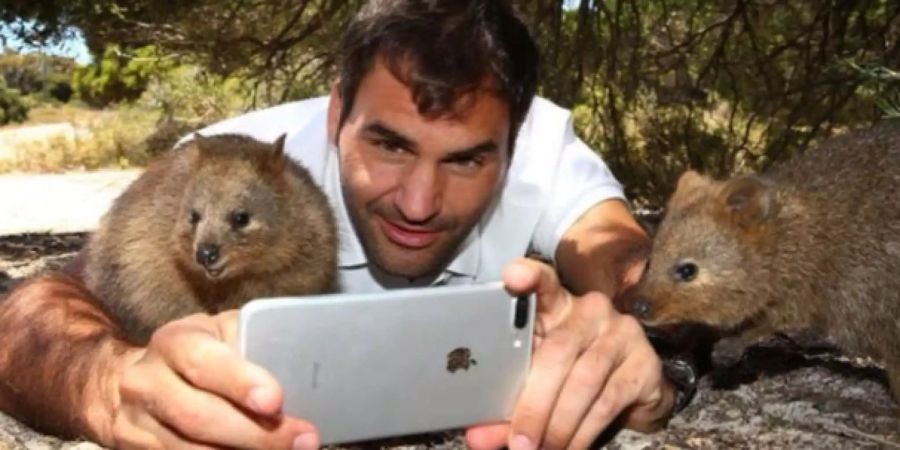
[(553, 179)]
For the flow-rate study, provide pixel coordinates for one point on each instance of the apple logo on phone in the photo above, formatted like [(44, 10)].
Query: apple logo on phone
[(460, 359)]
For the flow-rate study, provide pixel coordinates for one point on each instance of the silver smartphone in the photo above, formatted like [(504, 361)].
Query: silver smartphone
[(367, 366)]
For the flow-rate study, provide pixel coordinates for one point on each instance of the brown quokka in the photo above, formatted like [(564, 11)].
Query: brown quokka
[(207, 227), (812, 245)]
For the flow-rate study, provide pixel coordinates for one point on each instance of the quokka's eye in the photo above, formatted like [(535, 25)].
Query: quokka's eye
[(194, 217), (685, 272), (239, 219)]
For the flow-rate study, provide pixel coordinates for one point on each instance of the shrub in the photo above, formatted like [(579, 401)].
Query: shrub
[(118, 77), (60, 87), (190, 98), (12, 107), (35, 74), (115, 139)]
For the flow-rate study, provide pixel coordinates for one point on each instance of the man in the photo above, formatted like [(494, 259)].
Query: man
[(441, 170)]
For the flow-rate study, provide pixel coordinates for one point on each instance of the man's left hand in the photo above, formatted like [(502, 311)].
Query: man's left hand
[(591, 365)]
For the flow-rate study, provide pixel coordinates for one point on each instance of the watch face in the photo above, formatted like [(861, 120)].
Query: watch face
[(681, 373)]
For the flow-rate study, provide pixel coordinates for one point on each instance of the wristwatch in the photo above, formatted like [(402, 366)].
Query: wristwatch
[(683, 376)]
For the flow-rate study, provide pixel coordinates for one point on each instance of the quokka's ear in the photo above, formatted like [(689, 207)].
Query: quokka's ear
[(746, 201), (278, 159), (200, 139), (692, 180), (691, 185), (202, 142), (203, 146)]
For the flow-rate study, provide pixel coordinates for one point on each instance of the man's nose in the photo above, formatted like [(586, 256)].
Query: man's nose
[(420, 195)]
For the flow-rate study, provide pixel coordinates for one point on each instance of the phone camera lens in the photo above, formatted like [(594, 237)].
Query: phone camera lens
[(521, 318)]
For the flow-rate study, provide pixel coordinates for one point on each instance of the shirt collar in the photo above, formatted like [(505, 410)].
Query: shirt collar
[(351, 253), (468, 258)]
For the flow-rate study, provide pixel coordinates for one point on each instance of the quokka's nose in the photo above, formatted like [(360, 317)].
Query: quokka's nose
[(641, 308), (207, 254)]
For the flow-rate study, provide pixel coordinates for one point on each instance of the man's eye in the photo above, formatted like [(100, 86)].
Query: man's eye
[(389, 146), (468, 163)]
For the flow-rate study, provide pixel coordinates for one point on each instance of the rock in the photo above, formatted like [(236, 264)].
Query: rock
[(781, 394)]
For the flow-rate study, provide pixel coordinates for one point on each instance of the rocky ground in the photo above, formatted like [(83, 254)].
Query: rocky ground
[(781, 396)]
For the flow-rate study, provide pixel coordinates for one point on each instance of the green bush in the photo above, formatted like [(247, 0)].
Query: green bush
[(34, 74), (118, 76), (189, 98), (12, 108), (60, 87)]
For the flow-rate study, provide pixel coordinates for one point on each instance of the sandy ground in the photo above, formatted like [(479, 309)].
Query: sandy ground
[(58, 203)]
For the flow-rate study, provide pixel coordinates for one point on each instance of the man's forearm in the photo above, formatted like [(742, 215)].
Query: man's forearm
[(605, 251), (57, 348)]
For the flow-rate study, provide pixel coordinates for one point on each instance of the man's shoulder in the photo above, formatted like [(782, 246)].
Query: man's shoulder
[(547, 128), (543, 109), (545, 124), (539, 103), (269, 123)]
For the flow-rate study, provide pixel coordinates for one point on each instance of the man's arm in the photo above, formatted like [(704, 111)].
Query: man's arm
[(592, 365), (57, 346), (64, 370), (604, 251)]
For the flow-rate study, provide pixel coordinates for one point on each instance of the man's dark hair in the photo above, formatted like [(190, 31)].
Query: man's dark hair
[(443, 50)]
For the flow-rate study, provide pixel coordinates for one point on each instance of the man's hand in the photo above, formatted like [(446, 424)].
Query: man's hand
[(590, 364), (190, 389)]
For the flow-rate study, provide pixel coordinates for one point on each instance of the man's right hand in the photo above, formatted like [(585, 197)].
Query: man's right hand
[(191, 389)]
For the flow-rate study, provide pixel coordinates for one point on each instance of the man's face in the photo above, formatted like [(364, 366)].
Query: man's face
[(416, 186)]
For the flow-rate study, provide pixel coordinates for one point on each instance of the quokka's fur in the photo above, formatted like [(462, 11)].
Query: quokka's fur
[(207, 227), (812, 245)]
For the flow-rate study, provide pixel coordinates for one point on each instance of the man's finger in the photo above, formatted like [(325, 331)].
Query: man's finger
[(525, 275), (135, 429), (622, 390), (550, 368), (487, 437), (199, 416), (196, 354), (127, 435), (581, 389), (227, 323), (165, 438)]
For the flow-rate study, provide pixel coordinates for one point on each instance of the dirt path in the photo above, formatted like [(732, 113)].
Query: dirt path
[(12, 140)]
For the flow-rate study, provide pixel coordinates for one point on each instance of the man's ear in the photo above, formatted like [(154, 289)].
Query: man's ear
[(334, 112), (746, 201)]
